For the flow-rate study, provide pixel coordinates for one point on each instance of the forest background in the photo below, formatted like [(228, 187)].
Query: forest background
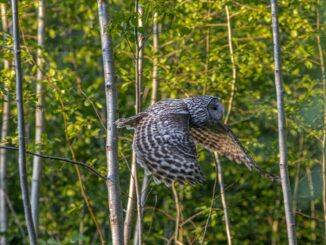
[(194, 57)]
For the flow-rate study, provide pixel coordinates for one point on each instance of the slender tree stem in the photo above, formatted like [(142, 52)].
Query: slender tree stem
[(139, 56), (234, 69), (155, 86), (297, 175), (223, 199), (312, 205), (207, 48), (113, 184), (131, 202), (217, 160), (290, 222), (155, 59), (177, 219), (37, 164), (4, 133), (323, 141), (21, 127), (16, 218), (212, 202), (134, 186)]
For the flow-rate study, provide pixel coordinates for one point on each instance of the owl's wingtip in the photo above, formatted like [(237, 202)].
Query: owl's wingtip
[(121, 123)]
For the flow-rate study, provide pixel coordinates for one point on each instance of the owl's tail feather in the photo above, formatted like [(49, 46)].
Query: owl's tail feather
[(130, 122)]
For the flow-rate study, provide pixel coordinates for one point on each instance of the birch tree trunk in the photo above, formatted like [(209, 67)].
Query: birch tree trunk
[(114, 197), (290, 222), (4, 133), (37, 164), (21, 125)]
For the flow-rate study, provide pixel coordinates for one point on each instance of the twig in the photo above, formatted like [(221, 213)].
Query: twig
[(61, 159), (297, 175), (309, 217), (312, 204), (94, 108), (212, 203), (6, 47), (16, 219)]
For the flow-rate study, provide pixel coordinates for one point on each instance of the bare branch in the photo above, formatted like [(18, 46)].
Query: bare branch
[(61, 159)]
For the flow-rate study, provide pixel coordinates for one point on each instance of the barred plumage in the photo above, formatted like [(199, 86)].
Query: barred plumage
[(165, 136)]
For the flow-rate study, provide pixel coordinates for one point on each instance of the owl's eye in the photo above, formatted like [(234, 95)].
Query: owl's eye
[(215, 108)]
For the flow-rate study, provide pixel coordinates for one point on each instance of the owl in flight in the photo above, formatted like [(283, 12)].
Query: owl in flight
[(166, 134)]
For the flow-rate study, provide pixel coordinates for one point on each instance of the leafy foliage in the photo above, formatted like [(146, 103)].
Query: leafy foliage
[(194, 59)]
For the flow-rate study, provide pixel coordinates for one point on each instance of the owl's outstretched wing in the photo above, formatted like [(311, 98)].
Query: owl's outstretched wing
[(165, 149), (220, 138)]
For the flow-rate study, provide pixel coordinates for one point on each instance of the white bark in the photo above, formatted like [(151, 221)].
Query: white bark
[(290, 222), (21, 125), (113, 185), (37, 164), (155, 60), (4, 133)]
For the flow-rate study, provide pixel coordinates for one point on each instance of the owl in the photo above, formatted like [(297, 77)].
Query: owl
[(166, 135)]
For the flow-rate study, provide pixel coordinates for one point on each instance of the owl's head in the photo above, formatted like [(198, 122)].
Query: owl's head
[(204, 110)]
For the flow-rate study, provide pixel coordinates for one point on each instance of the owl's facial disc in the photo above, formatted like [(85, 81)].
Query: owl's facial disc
[(215, 110)]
